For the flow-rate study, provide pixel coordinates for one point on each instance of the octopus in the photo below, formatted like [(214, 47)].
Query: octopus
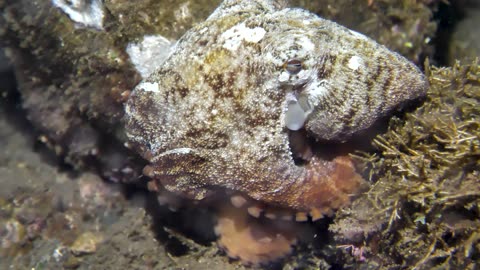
[(255, 104)]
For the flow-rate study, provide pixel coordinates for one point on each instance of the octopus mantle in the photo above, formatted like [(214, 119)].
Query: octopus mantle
[(245, 100)]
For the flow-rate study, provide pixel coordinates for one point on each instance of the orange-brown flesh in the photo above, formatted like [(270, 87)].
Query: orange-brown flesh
[(251, 240)]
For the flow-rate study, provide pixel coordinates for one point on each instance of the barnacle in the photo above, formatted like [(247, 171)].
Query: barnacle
[(254, 242)]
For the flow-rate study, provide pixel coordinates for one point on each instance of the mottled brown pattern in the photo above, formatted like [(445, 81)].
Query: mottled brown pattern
[(217, 119)]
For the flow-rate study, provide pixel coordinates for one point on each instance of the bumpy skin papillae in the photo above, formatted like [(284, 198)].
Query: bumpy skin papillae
[(215, 114)]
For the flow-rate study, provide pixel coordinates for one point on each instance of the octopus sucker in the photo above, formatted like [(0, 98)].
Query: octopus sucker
[(253, 241), (301, 216), (329, 186), (255, 211), (238, 201), (244, 105)]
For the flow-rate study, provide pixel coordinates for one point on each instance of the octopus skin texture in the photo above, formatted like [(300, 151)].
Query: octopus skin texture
[(243, 99)]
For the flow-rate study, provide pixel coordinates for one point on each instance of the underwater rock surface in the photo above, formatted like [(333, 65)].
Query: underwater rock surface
[(75, 79), (465, 38)]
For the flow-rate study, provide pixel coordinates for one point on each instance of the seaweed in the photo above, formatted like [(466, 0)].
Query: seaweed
[(422, 209)]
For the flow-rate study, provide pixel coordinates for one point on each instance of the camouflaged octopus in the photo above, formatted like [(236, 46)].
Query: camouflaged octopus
[(244, 99)]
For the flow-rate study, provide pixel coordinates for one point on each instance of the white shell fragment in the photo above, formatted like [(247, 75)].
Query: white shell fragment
[(86, 13), (149, 53)]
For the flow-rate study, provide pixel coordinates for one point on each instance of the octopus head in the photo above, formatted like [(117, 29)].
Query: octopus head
[(244, 97)]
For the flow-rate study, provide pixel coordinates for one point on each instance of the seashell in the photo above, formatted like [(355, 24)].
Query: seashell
[(219, 112)]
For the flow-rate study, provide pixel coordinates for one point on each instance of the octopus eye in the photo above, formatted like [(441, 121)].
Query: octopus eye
[(293, 66)]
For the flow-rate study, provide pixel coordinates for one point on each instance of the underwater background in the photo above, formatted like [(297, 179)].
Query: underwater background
[(72, 196)]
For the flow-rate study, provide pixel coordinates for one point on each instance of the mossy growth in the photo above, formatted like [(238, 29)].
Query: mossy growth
[(423, 208)]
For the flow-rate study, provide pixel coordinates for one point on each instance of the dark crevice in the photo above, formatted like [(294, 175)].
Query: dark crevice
[(447, 15)]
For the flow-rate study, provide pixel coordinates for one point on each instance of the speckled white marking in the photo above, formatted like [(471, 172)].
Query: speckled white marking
[(307, 44), (357, 34), (148, 86), (149, 54), (355, 62), (314, 93), (284, 76), (180, 151), (318, 90), (304, 75), (85, 13), (236, 35)]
